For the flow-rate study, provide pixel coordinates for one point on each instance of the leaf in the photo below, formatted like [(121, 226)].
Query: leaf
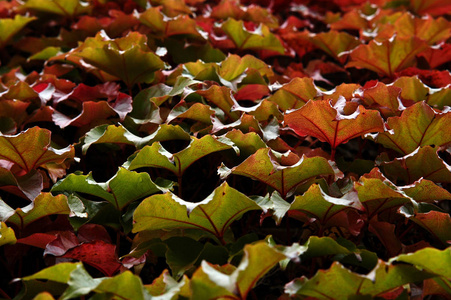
[(66, 8), (340, 283), (328, 123), (259, 39), (412, 88), (437, 223), (80, 283), (7, 235), (125, 285), (419, 125), (388, 56), (128, 58), (434, 7), (295, 94), (258, 259), (16, 149), (264, 166), (412, 167), (120, 135), (44, 205), (98, 254), (432, 260), (335, 43), (59, 273), (122, 189), (379, 194), (248, 143), (321, 206), (158, 157), (30, 184), (233, 67), (10, 27), (222, 98), (214, 214), (424, 190), (384, 98), (167, 286)]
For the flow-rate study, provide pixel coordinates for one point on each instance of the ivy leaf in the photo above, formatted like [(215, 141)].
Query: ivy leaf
[(128, 58), (221, 97), (120, 135), (322, 207), (125, 285), (258, 259), (16, 149), (340, 283), (295, 94), (214, 214), (10, 27), (158, 157), (167, 286), (432, 260), (434, 7), (234, 67), (335, 43), (44, 205), (7, 235), (437, 223), (412, 167), (328, 123), (68, 9), (30, 184), (264, 166), (383, 97), (248, 143), (122, 189), (419, 125), (259, 39), (58, 273), (387, 56), (425, 190)]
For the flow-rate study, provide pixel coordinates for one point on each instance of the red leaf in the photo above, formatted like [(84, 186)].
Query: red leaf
[(93, 232), (437, 56), (39, 240), (98, 254), (252, 92), (64, 241), (432, 78)]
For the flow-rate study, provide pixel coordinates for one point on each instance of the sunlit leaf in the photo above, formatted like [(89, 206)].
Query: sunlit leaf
[(58, 273), (259, 39), (434, 7), (335, 43), (7, 235), (220, 97), (425, 190), (123, 188), (295, 94), (68, 9), (437, 223), (214, 214), (10, 27), (283, 177), (419, 125), (157, 156), (387, 56), (383, 98), (329, 123), (429, 259), (125, 285)]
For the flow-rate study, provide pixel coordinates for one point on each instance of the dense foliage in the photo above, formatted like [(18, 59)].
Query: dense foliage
[(196, 149)]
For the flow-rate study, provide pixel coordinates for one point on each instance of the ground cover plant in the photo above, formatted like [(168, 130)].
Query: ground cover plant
[(197, 149)]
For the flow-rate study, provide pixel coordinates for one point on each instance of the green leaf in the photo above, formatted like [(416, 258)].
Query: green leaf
[(123, 188), (432, 260), (44, 205), (80, 283), (66, 8), (58, 273), (17, 149), (425, 190), (412, 167), (10, 27), (437, 223), (321, 206), (233, 67), (221, 97), (128, 58), (263, 165), (214, 214), (124, 286), (260, 39), (158, 157), (335, 43), (7, 235), (419, 125), (295, 94), (340, 283), (167, 287)]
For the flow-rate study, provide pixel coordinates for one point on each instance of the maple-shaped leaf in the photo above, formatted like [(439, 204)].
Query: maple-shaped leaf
[(123, 188), (329, 124), (234, 69), (335, 43), (387, 56), (44, 205), (431, 7), (412, 89), (221, 97), (65, 8), (7, 235), (10, 27), (327, 210), (295, 94), (258, 259), (120, 135), (276, 169), (419, 125), (424, 190), (248, 143), (378, 194), (437, 223), (384, 98), (158, 157), (98, 254), (412, 167), (31, 149), (128, 58), (214, 214), (259, 39), (338, 282)]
